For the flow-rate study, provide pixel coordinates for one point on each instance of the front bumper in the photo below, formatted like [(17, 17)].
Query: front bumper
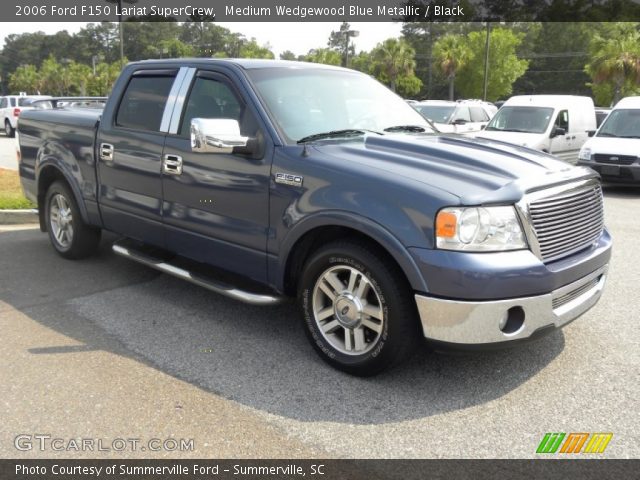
[(614, 173), (500, 321)]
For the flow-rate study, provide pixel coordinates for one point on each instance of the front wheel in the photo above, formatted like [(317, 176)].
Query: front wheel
[(357, 307), (69, 235)]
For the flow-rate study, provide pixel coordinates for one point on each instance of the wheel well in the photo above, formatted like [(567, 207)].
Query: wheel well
[(47, 176), (320, 236)]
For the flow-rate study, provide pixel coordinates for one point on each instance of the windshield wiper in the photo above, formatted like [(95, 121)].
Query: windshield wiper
[(348, 132), (405, 128), (629, 136), (605, 134)]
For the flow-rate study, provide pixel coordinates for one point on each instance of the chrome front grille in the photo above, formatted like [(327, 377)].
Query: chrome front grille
[(567, 221)]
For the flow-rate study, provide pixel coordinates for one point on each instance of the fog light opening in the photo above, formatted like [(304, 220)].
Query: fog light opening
[(513, 321)]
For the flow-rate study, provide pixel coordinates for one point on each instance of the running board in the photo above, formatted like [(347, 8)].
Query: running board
[(137, 253)]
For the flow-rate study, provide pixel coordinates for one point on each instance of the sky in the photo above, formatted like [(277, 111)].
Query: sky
[(298, 37)]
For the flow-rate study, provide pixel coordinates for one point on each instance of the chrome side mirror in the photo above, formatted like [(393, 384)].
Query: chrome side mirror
[(216, 135)]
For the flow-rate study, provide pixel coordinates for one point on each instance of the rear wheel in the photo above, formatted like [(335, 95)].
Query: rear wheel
[(8, 129), (69, 235), (357, 308)]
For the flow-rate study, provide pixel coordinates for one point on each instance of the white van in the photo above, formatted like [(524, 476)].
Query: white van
[(556, 124), (614, 151)]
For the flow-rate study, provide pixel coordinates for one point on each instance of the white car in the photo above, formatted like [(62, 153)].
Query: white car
[(10, 108), (555, 124), (614, 151), (463, 116)]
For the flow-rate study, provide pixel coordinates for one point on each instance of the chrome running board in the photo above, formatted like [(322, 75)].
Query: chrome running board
[(138, 254)]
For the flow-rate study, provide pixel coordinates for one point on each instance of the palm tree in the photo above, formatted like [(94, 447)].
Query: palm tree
[(451, 54), (392, 59), (616, 60)]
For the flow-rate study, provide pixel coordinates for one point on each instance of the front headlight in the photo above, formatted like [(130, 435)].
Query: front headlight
[(479, 229), (585, 154)]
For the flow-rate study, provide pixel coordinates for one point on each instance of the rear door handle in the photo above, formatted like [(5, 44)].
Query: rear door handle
[(106, 152), (172, 164)]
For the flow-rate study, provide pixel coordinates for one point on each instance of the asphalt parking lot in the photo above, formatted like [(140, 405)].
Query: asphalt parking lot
[(106, 348)]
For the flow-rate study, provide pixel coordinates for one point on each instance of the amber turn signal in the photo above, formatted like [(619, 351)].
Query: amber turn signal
[(446, 225)]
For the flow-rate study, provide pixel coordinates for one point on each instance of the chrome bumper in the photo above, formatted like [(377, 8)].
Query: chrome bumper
[(497, 321)]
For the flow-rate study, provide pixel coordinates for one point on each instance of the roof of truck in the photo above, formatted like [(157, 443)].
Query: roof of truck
[(246, 63)]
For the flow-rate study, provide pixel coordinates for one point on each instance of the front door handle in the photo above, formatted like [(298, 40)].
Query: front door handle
[(106, 152), (172, 164)]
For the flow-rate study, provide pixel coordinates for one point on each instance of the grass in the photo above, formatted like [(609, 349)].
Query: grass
[(11, 196)]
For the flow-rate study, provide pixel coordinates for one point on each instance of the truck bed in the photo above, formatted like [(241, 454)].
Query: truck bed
[(66, 133)]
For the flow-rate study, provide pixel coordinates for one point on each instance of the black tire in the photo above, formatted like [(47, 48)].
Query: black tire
[(83, 240), (8, 129), (388, 292)]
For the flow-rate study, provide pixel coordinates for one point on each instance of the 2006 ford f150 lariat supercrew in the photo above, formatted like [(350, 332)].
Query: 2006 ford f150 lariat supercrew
[(263, 180)]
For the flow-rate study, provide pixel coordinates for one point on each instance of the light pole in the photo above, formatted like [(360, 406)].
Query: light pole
[(347, 35), (486, 63)]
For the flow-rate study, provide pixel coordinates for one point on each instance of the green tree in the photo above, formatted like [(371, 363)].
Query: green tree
[(56, 79), (102, 82), (251, 49), (288, 55), (25, 79), (504, 65), (362, 62), (175, 48), (451, 53), (79, 78), (393, 63), (615, 60), (323, 55)]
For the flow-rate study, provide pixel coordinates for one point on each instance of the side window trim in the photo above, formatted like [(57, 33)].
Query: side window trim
[(174, 96)]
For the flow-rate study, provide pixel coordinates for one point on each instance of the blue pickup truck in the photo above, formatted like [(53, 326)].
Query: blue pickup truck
[(263, 180)]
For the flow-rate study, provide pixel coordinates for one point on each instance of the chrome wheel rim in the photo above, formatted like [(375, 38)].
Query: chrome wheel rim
[(348, 310), (61, 220)]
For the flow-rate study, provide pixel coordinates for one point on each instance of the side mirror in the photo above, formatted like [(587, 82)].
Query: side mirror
[(558, 132), (216, 135), (459, 121), (591, 133)]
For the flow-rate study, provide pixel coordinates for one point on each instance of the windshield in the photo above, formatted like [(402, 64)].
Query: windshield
[(436, 113), (624, 123), (306, 102), (521, 119)]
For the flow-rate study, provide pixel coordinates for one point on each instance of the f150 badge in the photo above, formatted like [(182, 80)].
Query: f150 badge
[(288, 179)]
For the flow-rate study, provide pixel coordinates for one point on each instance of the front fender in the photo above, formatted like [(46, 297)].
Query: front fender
[(365, 226)]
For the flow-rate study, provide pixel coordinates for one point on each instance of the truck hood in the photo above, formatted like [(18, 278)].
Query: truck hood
[(478, 171)]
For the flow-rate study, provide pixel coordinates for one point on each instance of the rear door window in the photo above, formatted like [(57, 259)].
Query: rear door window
[(478, 114), (462, 113), (143, 102), (3, 102)]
